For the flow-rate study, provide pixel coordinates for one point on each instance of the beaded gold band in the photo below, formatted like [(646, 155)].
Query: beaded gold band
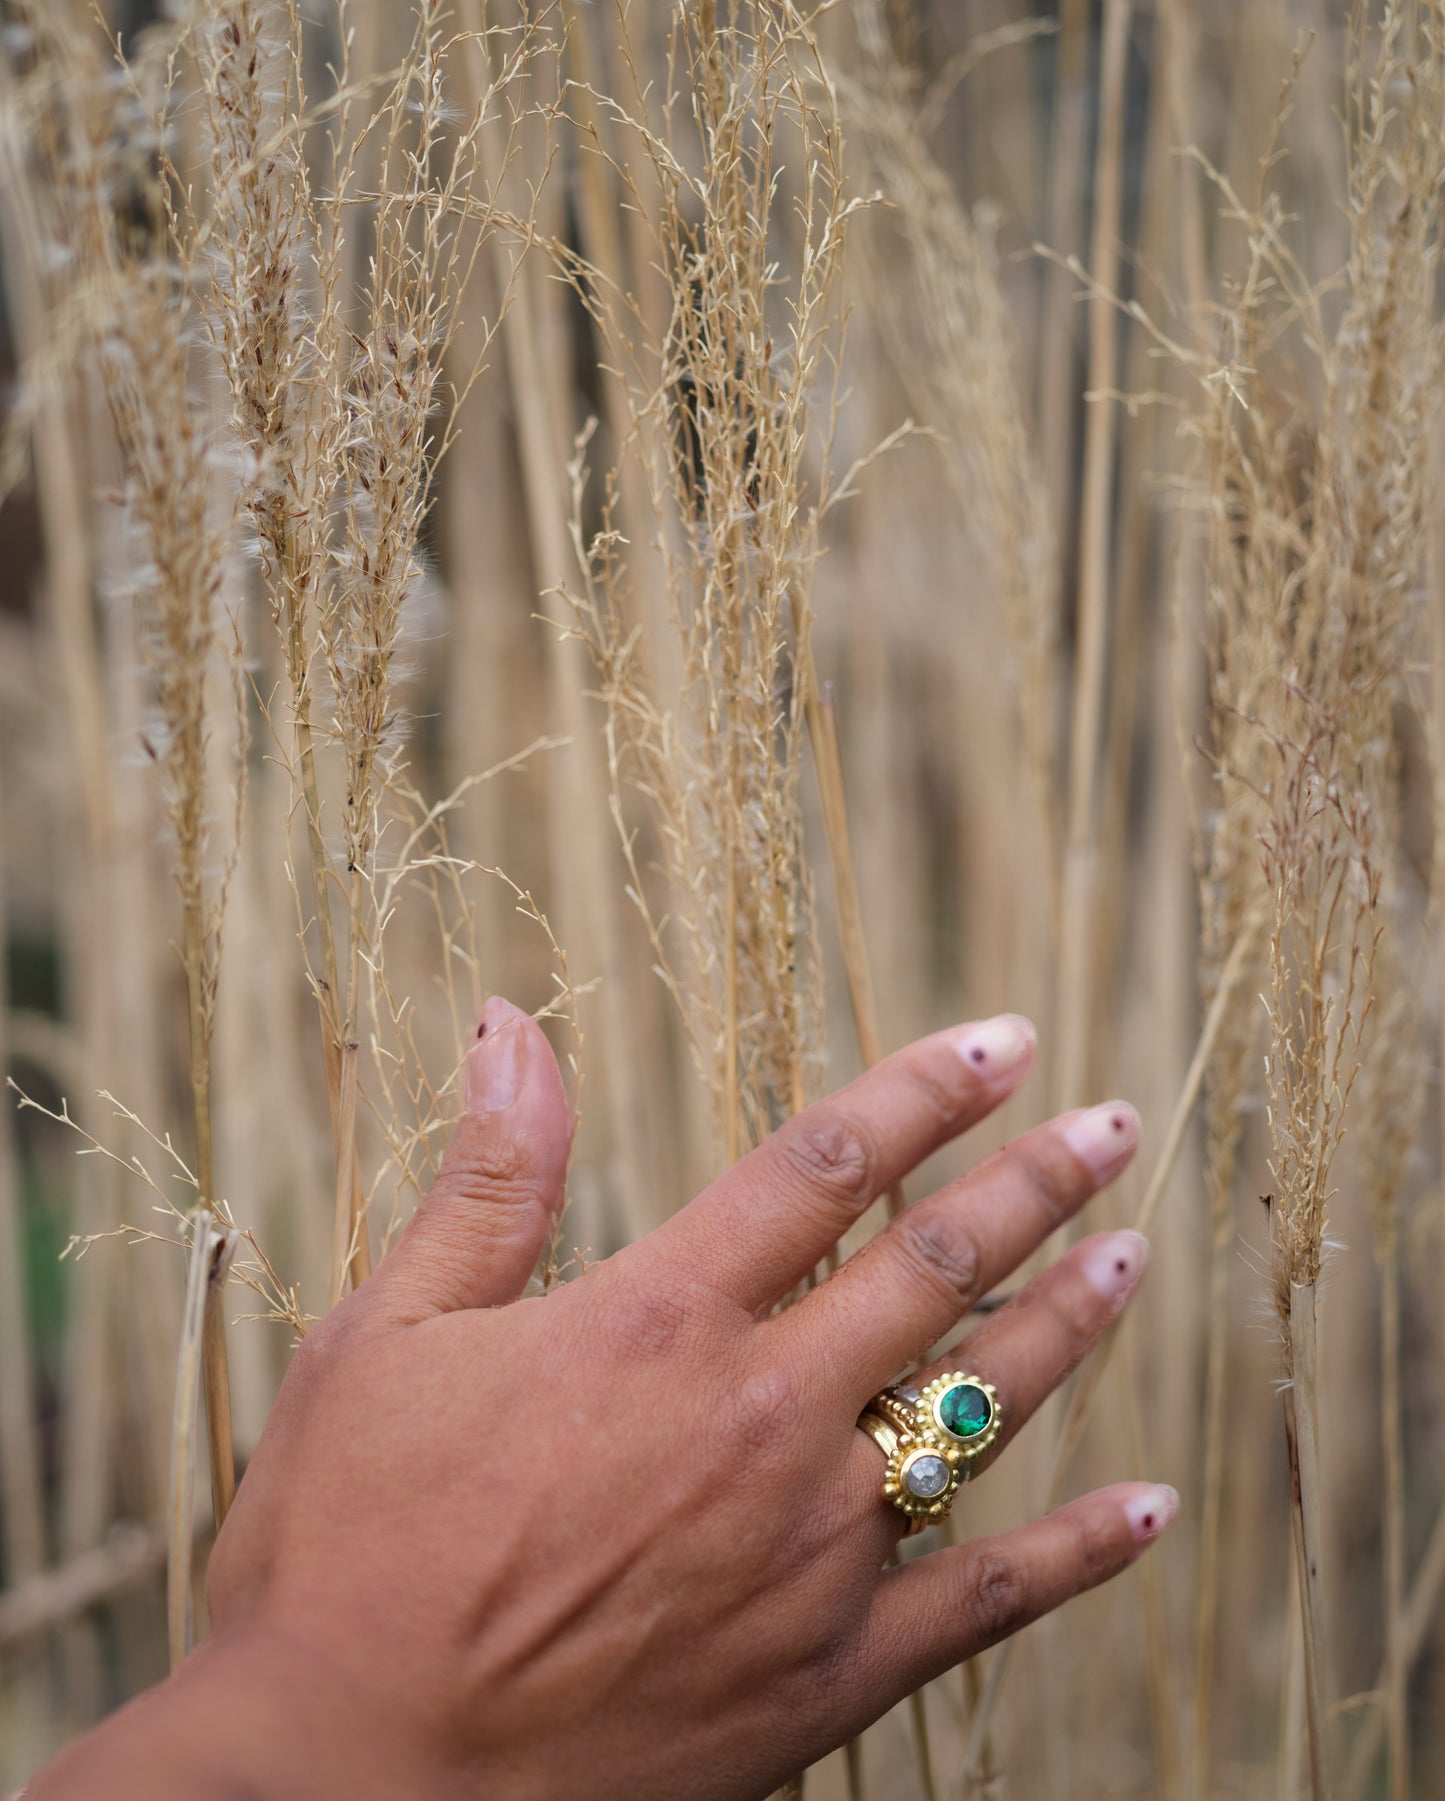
[(886, 1439), (931, 1438)]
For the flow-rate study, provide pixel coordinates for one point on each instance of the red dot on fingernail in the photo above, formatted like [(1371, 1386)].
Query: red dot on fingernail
[(1118, 1122), (482, 1030), (978, 1054), (1148, 1522), (1122, 1266)]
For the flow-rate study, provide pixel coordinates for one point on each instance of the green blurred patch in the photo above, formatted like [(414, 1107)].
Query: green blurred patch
[(33, 975), (44, 1225)]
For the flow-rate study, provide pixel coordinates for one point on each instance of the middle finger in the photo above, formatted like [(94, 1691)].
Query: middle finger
[(1025, 1351), (894, 1299)]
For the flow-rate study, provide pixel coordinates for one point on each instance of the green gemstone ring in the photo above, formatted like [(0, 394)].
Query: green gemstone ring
[(941, 1430)]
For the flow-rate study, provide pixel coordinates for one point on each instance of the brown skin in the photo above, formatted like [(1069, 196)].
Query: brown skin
[(625, 1539)]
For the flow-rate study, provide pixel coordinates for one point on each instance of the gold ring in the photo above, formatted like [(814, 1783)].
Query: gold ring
[(937, 1434), (886, 1439), (880, 1432)]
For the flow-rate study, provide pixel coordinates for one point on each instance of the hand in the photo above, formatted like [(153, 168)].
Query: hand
[(626, 1539)]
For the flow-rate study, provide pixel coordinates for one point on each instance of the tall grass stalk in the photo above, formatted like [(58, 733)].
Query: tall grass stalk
[(1077, 948), (212, 1247)]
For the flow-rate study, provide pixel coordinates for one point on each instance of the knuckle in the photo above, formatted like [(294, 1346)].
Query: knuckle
[(650, 1325), (505, 1169), (942, 1090), (1054, 1189), (1080, 1312), (943, 1251), (1098, 1554), (827, 1663), (997, 1600), (826, 1150)]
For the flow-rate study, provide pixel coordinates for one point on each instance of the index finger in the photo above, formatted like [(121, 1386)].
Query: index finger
[(775, 1214)]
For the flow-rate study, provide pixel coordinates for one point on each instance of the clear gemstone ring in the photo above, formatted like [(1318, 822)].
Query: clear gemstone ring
[(931, 1438)]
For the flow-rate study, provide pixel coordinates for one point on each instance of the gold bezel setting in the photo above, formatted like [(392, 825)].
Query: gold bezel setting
[(930, 1417), (895, 1488)]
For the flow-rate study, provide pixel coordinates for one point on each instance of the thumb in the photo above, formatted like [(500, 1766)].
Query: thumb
[(476, 1238)]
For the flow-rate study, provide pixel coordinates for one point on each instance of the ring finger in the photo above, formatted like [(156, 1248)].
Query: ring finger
[(1025, 1351), (894, 1299)]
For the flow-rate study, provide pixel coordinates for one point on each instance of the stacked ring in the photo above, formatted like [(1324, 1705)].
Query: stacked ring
[(931, 1438)]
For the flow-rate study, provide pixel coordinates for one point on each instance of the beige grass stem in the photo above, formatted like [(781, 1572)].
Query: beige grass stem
[(216, 1380), (1067, 158), (212, 1246), (346, 1230), (1397, 1665), (22, 1501), (1074, 1021), (1421, 1615), (828, 762), (1307, 1512), (1088, 1383)]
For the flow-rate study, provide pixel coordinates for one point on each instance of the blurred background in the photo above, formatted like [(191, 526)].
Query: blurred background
[(1011, 626)]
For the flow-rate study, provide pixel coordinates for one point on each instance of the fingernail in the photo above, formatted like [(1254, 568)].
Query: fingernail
[(1104, 1138), (1115, 1264), (1148, 1514), (494, 1063), (999, 1048)]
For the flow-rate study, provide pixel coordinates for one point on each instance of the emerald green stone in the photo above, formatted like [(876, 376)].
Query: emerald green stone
[(964, 1410)]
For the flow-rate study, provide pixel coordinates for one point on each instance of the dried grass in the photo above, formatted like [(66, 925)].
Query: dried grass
[(284, 253)]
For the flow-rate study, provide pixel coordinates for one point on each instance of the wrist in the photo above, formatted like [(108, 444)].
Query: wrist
[(252, 1713)]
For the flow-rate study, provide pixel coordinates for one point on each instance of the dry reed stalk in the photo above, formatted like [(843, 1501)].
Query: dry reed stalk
[(1420, 1617), (1226, 995), (1068, 154), (1077, 919), (853, 1770), (216, 1384), (1391, 1103), (22, 1501), (1178, 62), (212, 1247), (923, 1755), (22, 1497), (828, 763), (943, 310), (602, 223), (1392, 1094), (1291, 1697), (1162, 1675)]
